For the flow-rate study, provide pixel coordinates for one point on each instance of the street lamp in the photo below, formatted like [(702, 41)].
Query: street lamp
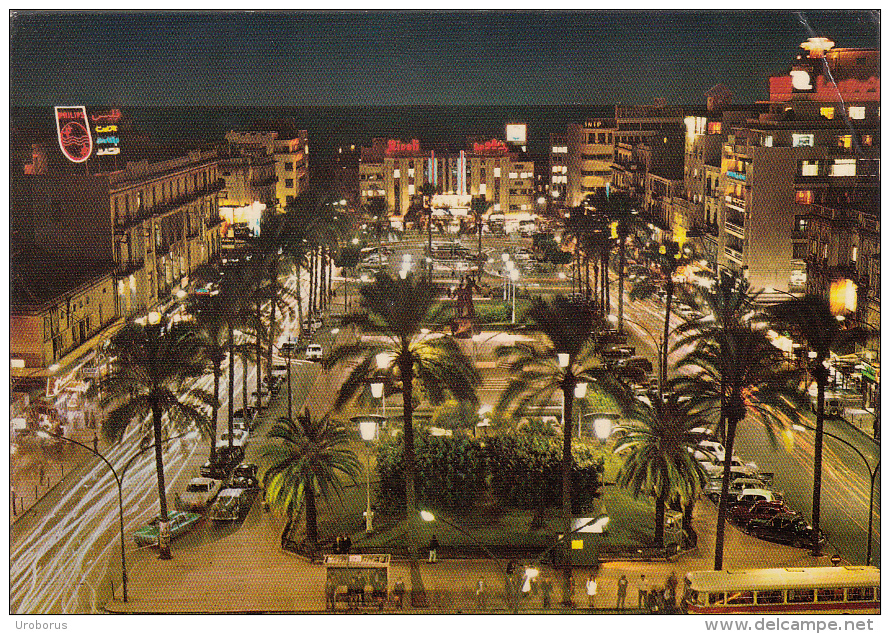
[(377, 392), (873, 473), (580, 392), (514, 277), (368, 430), (118, 479)]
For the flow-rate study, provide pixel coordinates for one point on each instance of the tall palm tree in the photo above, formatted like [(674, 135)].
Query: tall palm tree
[(153, 365), (395, 310), (311, 457), (427, 190), (736, 372), (478, 207), (212, 323), (379, 211), (661, 444), (811, 319), (620, 212), (568, 331)]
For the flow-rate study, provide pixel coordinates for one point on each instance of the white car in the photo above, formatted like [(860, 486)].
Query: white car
[(239, 438), (314, 352), (199, 493)]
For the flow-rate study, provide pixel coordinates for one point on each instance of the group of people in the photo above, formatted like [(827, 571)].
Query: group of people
[(656, 598), (357, 594), (342, 544)]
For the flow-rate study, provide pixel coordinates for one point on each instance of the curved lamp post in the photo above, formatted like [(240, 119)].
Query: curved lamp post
[(118, 479), (873, 473)]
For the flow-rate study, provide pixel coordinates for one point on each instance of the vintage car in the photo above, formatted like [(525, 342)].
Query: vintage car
[(180, 523)]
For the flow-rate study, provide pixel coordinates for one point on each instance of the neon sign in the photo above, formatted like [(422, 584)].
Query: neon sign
[(105, 123), (74, 133), (493, 146), (394, 145)]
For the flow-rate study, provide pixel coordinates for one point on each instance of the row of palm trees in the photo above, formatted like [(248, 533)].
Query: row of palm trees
[(736, 370)]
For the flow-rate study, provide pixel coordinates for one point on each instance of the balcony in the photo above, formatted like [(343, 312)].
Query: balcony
[(734, 229), (735, 203), (733, 254)]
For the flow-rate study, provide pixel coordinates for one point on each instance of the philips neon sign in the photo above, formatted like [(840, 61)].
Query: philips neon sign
[(74, 133)]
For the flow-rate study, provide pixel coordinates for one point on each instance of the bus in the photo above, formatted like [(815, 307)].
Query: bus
[(825, 590)]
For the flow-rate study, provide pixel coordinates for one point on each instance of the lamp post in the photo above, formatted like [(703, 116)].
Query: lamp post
[(873, 473), (660, 347), (514, 277), (580, 392), (368, 430), (118, 479)]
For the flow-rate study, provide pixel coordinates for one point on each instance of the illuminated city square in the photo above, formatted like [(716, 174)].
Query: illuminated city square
[(442, 313)]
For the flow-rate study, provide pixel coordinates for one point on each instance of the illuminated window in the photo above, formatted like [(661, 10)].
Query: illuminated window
[(497, 206), (396, 173), (482, 188), (866, 140), (497, 172), (809, 168), (768, 141), (843, 167), (411, 172), (857, 112), (828, 113), (802, 140), (855, 254), (803, 197), (513, 175), (556, 169), (410, 190), (845, 141)]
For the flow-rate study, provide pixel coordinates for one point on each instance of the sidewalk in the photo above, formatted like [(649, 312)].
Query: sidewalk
[(57, 461), (249, 572)]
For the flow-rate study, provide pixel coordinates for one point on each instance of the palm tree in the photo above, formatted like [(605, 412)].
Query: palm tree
[(660, 462), (619, 210), (212, 323), (153, 364), (478, 207), (312, 456), (566, 357), (427, 190), (811, 318), (378, 210), (395, 311), (735, 372)]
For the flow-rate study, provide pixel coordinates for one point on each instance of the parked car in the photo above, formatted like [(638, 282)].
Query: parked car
[(636, 362), (740, 481), (785, 528), (244, 476), (231, 505), (226, 459), (759, 494), (199, 493), (742, 513), (613, 337), (714, 467), (314, 352), (180, 523), (239, 438)]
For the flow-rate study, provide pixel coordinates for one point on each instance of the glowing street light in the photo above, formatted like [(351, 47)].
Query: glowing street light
[(368, 429)]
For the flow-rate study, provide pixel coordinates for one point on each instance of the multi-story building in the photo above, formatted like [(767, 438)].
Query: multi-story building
[(128, 239), (291, 159), (397, 171)]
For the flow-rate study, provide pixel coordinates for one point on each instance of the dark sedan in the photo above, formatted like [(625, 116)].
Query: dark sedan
[(785, 528), (742, 514)]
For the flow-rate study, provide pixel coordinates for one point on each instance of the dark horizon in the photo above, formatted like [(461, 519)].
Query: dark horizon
[(410, 59)]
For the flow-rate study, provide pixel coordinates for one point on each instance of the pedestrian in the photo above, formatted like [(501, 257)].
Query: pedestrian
[(511, 567), (95, 443), (480, 594), (346, 544), (642, 592), (671, 589), (591, 591), (546, 590), (622, 592), (338, 545), (330, 593), (570, 600), (398, 591), (434, 546)]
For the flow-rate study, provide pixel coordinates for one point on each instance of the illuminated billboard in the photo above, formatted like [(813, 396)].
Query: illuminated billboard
[(516, 132), (106, 125), (74, 133)]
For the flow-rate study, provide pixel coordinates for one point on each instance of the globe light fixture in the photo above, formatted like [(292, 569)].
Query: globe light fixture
[(580, 390), (563, 359), (602, 427), (377, 390)]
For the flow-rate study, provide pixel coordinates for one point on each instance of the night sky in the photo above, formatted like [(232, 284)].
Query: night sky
[(398, 58)]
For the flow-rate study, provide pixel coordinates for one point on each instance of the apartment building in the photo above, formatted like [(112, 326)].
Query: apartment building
[(290, 155), (127, 238)]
